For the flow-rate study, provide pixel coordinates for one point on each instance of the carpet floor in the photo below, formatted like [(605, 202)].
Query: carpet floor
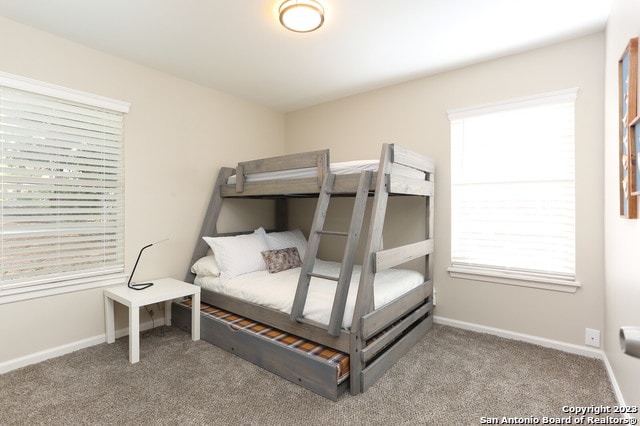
[(451, 377)]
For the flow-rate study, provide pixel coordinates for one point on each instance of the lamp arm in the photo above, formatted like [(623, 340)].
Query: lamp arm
[(136, 264), (141, 286)]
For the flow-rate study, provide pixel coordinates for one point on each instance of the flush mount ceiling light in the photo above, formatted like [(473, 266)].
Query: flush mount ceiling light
[(301, 16)]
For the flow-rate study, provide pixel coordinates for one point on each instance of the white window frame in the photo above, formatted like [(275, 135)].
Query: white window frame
[(43, 288), (548, 281)]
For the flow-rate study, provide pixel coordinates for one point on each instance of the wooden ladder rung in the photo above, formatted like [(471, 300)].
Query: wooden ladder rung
[(339, 233), (326, 277)]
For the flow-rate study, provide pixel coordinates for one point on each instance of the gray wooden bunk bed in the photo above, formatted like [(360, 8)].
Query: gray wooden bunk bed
[(378, 336)]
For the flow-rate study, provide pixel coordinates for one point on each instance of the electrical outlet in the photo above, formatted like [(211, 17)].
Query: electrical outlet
[(592, 337)]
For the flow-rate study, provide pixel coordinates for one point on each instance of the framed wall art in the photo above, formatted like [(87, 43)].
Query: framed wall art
[(634, 148), (628, 98)]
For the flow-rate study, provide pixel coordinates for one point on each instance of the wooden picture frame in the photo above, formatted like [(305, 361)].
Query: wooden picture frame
[(634, 147), (627, 102)]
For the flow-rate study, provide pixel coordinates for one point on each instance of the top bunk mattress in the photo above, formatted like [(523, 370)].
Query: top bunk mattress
[(341, 168), (277, 291)]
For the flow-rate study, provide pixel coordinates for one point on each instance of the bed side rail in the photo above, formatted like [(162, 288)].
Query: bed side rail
[(387, 259), (411, 316), (381, 318), (318, 159), (407, 186), (408, 158), (381, 364), (401, 184)]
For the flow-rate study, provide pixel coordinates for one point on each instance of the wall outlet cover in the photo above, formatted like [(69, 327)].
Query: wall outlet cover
[(592, 337)]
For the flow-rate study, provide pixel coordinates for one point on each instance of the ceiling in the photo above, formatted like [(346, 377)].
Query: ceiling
[(238, 46)]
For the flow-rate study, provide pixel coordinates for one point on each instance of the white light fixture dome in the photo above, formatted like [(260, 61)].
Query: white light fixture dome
[(301, 16)]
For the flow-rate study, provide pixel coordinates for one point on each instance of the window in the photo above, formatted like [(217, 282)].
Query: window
[(513, 192), (62, 186)]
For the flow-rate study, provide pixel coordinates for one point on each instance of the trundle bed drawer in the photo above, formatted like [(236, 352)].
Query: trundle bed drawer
[(315, 367)]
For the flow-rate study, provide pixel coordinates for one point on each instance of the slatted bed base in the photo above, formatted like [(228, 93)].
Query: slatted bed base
[(315, 367)]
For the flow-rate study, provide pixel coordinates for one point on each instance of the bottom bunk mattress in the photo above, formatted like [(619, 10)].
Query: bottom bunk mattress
[(277, 290), (316, 367)]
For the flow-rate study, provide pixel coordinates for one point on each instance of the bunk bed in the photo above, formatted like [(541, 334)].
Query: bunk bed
[(371, 319)]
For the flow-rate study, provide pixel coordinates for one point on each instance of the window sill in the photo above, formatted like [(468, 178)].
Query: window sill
[(517, 279), (45, 290)]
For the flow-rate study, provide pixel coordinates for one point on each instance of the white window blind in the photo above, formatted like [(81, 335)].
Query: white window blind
[(62, 187), (513, 188)]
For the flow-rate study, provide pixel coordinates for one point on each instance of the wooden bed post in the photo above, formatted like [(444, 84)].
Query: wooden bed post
[(364, 300), (210, 220), (430, 228), (282, 214)]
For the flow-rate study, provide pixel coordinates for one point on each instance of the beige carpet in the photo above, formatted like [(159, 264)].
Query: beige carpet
[(451, 377)]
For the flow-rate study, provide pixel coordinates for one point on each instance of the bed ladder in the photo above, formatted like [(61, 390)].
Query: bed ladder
[(346, 269)]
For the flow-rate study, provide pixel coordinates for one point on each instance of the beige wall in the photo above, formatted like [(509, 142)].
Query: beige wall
[(622, 236), (177, 135), (414, 114)]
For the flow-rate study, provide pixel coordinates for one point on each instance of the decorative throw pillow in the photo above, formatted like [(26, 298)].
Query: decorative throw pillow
[(239, 254), (285, 239), (281, 259)]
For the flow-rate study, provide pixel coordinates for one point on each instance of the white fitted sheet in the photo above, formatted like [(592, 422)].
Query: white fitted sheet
[(277, 291), (342, 168)]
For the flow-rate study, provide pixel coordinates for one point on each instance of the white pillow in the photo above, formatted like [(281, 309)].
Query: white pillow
[(206, 267), (238, 255), (286, 239)]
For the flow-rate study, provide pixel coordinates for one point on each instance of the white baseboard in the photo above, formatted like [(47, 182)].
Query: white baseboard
[(23, 361), (548, 343), (614, 383)]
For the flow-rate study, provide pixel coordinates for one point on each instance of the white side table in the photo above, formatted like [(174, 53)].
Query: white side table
[(162, 290)]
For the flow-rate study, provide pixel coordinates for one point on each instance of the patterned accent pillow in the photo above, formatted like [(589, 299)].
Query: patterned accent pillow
[(285, 239), (281, 259)]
